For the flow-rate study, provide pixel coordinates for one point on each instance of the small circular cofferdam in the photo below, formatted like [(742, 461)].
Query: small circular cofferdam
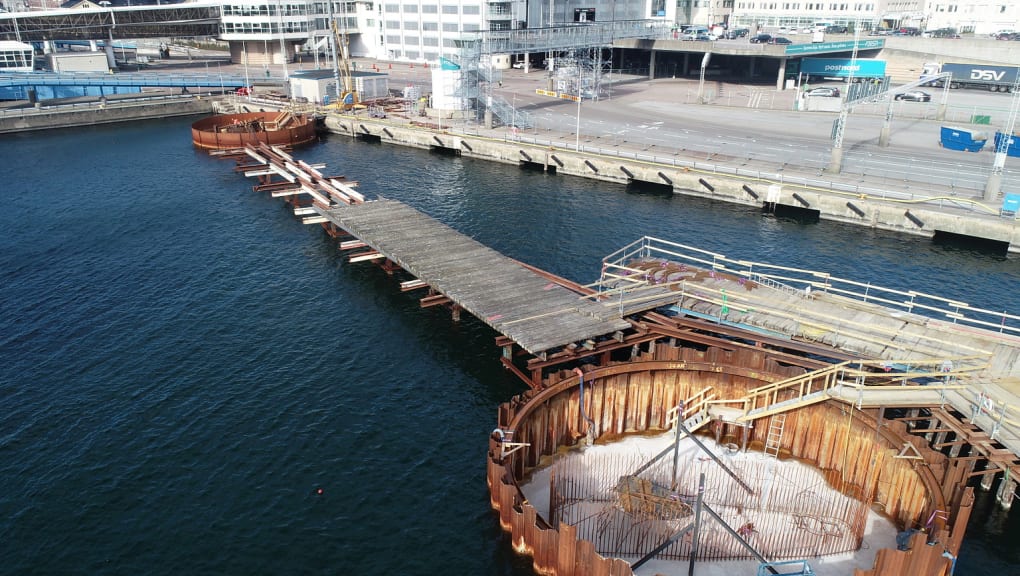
[(282, 128)]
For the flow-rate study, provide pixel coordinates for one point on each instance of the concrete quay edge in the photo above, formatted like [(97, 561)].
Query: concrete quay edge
[(72, 117), (921, 216)]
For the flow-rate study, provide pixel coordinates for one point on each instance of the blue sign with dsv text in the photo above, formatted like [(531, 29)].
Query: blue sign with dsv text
[(841, 67), (834, 46)]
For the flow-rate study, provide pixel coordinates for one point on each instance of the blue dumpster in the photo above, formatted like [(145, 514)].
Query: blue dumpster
[(956, 138), (1012, 144)]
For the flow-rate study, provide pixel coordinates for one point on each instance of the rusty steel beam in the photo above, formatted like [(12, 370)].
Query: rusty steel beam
[(434, 300), (509, 365)]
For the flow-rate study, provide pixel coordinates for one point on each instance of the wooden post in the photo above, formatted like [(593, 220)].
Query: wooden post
[(1007, 489), (988, 479)]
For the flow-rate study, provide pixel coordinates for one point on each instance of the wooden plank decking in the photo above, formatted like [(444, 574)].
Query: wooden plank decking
[(516, 302)]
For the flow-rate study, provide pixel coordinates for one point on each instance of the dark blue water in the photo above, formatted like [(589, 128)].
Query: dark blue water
[(184, 366)]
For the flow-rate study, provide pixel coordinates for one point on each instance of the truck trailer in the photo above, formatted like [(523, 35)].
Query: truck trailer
[(981, 76)]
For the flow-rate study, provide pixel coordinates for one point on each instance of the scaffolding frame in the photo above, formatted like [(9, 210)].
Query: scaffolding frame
[(581, 43)]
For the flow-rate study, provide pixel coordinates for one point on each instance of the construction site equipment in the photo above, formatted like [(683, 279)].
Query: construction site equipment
[(347, 95)]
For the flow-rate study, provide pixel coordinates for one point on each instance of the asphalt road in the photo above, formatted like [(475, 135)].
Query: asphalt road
[(755, 125)]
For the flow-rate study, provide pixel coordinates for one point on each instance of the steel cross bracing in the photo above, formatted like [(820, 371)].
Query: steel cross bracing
[(118, 23), (565, 37), (478, 75)]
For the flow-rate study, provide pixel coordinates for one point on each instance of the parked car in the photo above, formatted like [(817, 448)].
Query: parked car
[(914, 96), (880, 32), (907, 31), (829, 91), (1007, 36), (835, 30), (998, 33), (734, 33), (780, 40), (760, 39), (703, 37), (941, 33)]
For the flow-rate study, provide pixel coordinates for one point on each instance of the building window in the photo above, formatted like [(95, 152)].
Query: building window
[(393, 25), (430, 9), (411, 25), (410, 8), (449, 26), (471, 10), (449, 9), (430, 26)]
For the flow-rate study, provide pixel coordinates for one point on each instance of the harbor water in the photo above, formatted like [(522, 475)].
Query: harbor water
[(193, 382)]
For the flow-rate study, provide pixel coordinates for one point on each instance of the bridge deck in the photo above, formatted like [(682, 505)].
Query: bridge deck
[(516, 302)]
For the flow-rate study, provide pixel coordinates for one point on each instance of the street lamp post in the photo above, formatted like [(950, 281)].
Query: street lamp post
[(836, 161), (577, 140), (283, 46), (994, 184)]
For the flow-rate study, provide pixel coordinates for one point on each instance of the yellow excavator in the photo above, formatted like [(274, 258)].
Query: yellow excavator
[(348, 95)]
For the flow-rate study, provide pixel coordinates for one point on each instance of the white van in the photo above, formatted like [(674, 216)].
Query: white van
[(693, 32), (822, 26)]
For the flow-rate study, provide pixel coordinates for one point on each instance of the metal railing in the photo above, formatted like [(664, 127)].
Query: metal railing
[(50, 109), (126, 79), (798, 279)]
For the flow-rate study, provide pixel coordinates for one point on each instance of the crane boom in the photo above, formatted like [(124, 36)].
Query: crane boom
[(348, 95)]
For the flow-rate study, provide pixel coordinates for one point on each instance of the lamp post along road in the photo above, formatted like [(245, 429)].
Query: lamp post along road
[(283, 46), (577, 138), (836, 162), (994, 184)]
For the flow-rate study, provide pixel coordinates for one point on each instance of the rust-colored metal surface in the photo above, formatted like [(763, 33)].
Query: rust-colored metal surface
[(634, 397), (230, 131)]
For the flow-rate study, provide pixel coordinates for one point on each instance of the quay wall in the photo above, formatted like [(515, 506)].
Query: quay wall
[(921, 218), (633, 398), (11, 121)]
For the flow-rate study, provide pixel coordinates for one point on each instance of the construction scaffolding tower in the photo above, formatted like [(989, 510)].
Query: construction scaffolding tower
[(579, 66)]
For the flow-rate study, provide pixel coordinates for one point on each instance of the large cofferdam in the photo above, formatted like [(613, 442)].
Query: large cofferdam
[(897, 408)]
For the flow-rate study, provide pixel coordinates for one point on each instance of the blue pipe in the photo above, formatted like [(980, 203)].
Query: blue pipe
[(584, 413)]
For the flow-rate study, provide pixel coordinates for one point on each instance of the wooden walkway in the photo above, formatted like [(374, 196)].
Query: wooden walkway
[(520, 304)]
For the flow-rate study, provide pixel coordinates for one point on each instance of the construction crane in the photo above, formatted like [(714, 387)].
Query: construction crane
[(346, 92)]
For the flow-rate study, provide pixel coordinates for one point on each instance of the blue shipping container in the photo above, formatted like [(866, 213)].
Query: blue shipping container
[(1012, 144), (840, 67), (956, 138)]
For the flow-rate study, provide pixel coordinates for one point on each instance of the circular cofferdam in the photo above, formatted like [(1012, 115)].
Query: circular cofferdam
[(280, 128), (598, 461)]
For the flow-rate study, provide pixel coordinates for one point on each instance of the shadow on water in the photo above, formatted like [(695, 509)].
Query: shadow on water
[(649, 189), (793, 214), (970, 245)]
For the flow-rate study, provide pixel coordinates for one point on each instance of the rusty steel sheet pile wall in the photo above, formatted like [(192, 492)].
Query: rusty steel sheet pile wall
[(634, 397), (222, 132)]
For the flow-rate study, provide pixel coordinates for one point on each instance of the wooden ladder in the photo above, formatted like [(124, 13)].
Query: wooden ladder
[(775, 435)]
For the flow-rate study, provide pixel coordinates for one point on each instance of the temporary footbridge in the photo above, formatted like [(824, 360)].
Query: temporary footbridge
[(521, 304)]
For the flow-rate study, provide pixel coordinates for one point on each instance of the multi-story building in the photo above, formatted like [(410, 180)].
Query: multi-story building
[(272, 31), (966, 16), (264, 31)]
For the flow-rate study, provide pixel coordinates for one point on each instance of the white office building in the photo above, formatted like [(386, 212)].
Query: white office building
[(979, 17), (274, 31)]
